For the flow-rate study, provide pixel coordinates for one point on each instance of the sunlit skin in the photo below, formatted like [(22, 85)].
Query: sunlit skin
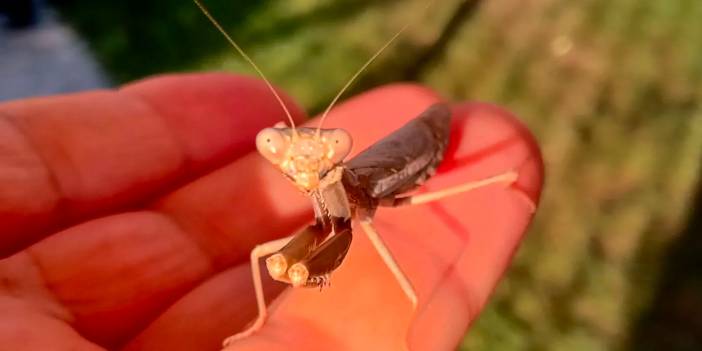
[(130, 214)]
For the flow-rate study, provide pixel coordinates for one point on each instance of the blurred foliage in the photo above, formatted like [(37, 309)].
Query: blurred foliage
[(612, 89), (673, 321)]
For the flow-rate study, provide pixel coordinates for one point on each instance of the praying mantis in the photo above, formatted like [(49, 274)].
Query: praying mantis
[(346, 191)]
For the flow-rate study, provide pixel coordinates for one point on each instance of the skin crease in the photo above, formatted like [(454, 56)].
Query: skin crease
[(128, 217)]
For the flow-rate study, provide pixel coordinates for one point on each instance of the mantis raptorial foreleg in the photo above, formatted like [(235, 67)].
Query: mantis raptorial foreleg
[(323, 260), (285, 253)]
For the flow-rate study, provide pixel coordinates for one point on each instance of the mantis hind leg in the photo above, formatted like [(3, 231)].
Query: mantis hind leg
[(506, 178)]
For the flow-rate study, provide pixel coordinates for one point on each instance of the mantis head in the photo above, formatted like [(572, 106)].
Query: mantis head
[(304, 155)]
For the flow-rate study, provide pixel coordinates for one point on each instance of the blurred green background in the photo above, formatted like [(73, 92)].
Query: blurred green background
[(612, 90)]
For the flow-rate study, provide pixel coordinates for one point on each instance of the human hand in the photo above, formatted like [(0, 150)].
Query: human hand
[(129, 216)]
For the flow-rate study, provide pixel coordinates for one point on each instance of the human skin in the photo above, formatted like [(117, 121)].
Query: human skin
[(128, 216)]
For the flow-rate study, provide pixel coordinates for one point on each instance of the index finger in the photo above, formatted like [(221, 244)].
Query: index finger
[(64, 159), (454, 251)]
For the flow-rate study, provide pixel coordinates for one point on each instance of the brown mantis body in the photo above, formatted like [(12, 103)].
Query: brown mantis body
[(341, 192), (354, 190), (345, 191)]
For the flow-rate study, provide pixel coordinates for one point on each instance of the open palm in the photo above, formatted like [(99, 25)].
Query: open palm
[(127, 218)]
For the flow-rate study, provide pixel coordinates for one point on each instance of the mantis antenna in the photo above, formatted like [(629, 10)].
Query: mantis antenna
[(248, 59), (365, 65)]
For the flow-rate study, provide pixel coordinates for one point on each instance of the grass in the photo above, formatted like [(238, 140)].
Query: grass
[(611, 89)]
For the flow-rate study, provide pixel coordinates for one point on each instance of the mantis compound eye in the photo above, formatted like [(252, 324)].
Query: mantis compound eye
[(271, 144), (339, 142)]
